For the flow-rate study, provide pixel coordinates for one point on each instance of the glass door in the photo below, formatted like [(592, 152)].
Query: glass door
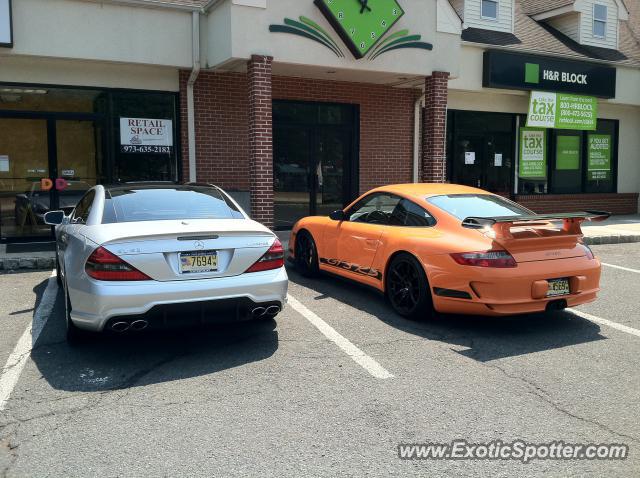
[(292, 168), (79, 156), (333, 152), (468, 160), (498, 162), (25, 178)]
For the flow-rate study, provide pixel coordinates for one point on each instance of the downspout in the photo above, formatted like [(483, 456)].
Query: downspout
[(417, 116), (191, 115)]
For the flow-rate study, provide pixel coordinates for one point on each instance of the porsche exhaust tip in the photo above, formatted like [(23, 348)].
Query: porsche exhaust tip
[(556, 305)]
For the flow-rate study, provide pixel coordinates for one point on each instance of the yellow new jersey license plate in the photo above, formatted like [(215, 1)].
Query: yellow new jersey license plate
[(558, 287), (200, 261)]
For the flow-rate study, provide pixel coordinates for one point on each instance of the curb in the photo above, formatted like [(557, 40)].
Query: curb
[(8, 264), (611, 239)]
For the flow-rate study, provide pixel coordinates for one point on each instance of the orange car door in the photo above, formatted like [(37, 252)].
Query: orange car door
[(352, 244)]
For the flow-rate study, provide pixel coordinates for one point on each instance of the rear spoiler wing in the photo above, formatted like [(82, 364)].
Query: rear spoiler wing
[(503, 224)]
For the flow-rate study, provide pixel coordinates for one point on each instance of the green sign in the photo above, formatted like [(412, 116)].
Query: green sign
[(361, 24), (568, 152), (533, 153), (599, 163), (562, 111)]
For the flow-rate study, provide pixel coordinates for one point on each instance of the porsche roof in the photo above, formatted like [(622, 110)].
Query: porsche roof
[(422, 190)]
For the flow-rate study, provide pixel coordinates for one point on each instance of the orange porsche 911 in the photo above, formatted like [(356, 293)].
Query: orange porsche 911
[(452, 249)]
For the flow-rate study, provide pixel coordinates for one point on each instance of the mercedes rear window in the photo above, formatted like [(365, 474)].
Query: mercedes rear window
[(135, 205), (463, 206)]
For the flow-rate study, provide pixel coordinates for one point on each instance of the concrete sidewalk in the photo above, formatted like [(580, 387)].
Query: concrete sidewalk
[(615, 230)]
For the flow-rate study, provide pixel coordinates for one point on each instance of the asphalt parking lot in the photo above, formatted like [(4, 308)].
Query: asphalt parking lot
[(330, 388)]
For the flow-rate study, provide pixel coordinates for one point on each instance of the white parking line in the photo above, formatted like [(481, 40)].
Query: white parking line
[(620, 267), (362, 359), (608, 323), (18, 358)]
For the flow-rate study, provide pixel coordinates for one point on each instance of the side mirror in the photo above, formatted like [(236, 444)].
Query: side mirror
[(338, 215), (54, 218)]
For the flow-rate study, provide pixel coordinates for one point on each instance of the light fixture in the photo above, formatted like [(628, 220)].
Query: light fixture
[(21, 91), (331, 72)]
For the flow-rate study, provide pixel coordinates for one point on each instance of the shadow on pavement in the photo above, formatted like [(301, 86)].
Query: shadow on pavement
[(486, 338), (109, 362)]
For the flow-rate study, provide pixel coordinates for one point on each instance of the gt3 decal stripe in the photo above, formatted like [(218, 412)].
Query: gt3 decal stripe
[(365, 271)]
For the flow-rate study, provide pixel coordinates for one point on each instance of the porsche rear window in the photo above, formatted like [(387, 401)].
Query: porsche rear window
[(134, 205), (463, 206)]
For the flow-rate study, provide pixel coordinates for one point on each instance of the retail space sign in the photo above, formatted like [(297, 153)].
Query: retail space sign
[(599, 162), (146, 135), (6, 26), (532, 72), (568, 152), (363, 26), (562, 111), (533, 153)]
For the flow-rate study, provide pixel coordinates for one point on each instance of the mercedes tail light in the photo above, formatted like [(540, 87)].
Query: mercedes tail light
[(104, 265), (272, 259), (500, 259)]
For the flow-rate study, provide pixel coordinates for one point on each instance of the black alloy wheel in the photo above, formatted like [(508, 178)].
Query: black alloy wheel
[(407, 288), (306, 255)]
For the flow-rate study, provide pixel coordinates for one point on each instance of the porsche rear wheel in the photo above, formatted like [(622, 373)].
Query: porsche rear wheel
[(306, 255), (407, 288)]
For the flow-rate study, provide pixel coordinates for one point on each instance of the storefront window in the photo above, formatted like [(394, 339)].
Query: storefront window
[(148, 160), (574, 161)]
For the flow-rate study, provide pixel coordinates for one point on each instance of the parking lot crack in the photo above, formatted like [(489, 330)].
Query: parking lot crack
[(537, 391)]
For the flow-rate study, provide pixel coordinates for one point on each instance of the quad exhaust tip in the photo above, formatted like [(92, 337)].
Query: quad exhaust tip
[(120, 326), (135, 326), (139, 325), (270, 311)]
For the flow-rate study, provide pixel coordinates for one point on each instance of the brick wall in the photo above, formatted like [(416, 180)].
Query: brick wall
[(434, 152), (222, 129), (222, 126), (550, 203), (260, 138)]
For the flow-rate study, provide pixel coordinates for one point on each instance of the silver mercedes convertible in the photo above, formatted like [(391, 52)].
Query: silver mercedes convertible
[(138, 256)]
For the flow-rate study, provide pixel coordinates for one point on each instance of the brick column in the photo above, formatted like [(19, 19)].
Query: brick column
[(434, 149), (260, 139)]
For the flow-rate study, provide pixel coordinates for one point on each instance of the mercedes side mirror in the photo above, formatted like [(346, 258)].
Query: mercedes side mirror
[(338, 215), (54, 218)]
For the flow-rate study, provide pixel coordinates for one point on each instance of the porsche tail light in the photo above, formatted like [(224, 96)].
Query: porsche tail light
[(272, 259), (500, 259), (104, 265)]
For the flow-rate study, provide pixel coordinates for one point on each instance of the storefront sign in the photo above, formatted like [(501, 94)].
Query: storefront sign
[(6, 28), (144, 135), (361, 26), (568, 152), (531, 72), (562, 111), (533, 153), (599, 151)]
